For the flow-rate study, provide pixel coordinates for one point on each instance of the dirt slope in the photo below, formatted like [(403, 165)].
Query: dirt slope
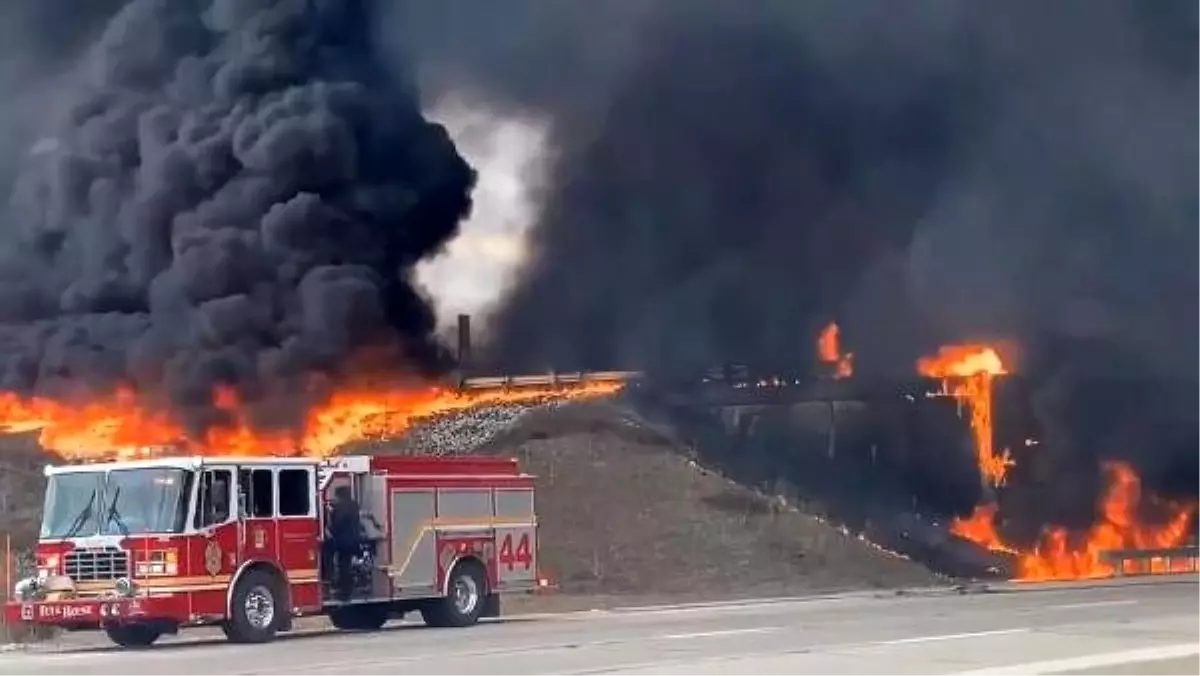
[(624, 511)]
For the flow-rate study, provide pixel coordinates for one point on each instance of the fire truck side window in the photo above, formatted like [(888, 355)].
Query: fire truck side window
[(260, 496), (294, 492), (214, 498)]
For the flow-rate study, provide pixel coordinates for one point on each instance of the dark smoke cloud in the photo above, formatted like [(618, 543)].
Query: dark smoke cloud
[(234, 193), (37, 44), (727, 177)]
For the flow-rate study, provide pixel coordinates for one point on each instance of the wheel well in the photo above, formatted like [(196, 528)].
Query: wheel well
[(257, 566), (466, 560)]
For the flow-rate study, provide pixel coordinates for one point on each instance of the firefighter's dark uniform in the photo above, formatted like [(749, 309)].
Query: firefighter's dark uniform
[(345, 538)]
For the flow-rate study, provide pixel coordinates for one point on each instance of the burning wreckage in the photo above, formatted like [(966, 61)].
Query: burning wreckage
[(950, 458)]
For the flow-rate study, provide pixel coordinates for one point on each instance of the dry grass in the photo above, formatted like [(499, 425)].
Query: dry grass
[(21, 488)]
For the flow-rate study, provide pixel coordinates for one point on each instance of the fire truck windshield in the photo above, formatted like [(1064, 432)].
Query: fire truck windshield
[(118, 502)]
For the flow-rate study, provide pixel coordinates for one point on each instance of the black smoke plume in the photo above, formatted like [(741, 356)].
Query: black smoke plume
[(228, 193), (725, 178)]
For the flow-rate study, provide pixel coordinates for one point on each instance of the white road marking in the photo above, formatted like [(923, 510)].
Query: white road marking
[(1101, 660), (784, 605), (760, 601), (1091, 604), (951, 637), (722, 632), (23, 656)]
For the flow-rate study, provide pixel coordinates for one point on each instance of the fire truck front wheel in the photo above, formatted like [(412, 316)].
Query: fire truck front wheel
[(464, 600), (132, 635), (258, 608)]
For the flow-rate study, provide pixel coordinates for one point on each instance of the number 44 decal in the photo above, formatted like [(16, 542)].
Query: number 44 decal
[(521, 556)]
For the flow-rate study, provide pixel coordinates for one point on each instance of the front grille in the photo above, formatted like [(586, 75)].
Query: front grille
[(89, 565)]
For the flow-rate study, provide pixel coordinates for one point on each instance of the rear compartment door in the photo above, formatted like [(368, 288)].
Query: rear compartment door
[(516, 539), (413, 541), (298, 530)]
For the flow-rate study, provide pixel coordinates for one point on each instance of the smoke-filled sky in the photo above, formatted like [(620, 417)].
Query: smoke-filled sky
[(723, 178), (243, 195), (213, 193)]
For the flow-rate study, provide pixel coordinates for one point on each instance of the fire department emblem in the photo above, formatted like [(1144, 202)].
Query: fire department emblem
[(212, 558)]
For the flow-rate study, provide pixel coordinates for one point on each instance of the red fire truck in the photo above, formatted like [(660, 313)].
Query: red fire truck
[(142, 548)]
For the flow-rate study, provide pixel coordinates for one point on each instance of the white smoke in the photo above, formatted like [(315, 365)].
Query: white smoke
[(510, 155)]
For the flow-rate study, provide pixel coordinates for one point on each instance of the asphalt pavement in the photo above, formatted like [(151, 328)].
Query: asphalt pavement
[(1106, 628)]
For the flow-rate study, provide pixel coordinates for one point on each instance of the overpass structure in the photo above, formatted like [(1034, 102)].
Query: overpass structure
[(727, 385)]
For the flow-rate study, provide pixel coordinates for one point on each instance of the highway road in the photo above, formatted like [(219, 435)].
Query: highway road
[(1081, 629)]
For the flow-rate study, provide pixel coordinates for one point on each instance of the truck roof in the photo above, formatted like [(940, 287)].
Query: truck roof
[(390, 464), (178, 462)]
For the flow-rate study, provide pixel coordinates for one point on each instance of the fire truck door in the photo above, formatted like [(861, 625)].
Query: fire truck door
[(258, 537), (216, 520)]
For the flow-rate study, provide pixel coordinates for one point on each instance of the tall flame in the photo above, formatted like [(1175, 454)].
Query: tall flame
[(967, 372), (829, 350), (116, 426)]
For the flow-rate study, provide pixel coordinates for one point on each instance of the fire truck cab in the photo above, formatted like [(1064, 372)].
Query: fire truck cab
[(143, 548)]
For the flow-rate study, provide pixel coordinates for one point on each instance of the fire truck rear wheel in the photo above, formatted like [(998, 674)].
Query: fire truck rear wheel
[(132, 635), (466, 592), (258, 608)]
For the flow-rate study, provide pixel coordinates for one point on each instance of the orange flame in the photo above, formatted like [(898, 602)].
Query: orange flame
[(1058, 557), (980, 528), (1117, 527), (967, 372), (117, 426), (829, 350)]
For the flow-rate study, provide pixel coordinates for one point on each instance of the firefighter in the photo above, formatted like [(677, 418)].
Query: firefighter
[(220, 501), (345, 538)]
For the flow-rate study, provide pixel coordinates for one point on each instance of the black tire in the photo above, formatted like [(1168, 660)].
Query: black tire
[(360, 617), (133, 635), (466, 593), (258, 610)]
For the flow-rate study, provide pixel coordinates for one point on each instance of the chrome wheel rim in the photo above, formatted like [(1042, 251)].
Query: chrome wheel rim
[(260, 607), (466, 594)]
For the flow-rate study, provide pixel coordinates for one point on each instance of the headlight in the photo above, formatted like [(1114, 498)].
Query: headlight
[(25, 589), (123, 587)]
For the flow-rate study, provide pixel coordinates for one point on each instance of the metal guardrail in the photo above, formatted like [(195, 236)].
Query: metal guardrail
[(547, 379), (1184, 559)]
